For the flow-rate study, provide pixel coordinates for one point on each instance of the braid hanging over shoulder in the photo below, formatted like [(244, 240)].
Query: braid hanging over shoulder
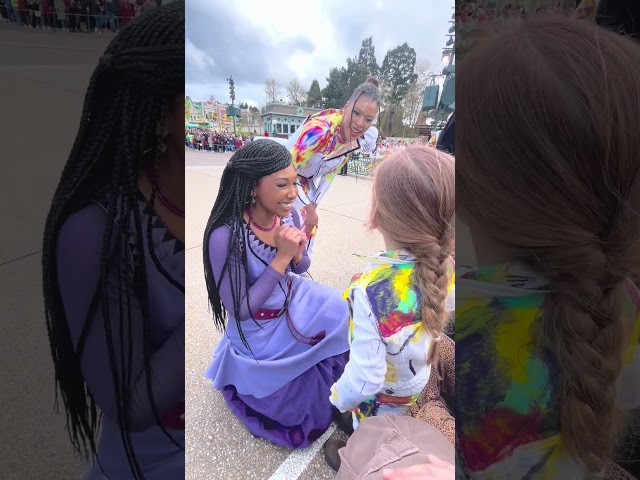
[(129, 95), (241, 175)]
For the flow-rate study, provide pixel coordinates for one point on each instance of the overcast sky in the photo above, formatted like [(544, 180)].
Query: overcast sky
[(256, 39)]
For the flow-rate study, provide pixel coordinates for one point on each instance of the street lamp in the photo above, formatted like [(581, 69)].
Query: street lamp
[(448, 54), (232, 94), (232, 91)]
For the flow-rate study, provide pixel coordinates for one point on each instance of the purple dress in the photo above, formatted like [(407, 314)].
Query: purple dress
[(281, 390), (78, 259)]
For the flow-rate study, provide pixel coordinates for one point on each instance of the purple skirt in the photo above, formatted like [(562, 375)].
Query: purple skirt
[(297, 414)]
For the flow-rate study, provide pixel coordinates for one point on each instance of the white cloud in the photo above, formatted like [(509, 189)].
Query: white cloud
[(292, 22), (254, 39), (197, 57)]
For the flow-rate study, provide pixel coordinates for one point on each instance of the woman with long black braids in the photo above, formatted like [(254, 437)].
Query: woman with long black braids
[(286, 336), (113, 258)]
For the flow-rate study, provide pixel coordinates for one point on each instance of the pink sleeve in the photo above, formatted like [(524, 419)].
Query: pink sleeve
[(313, 139)]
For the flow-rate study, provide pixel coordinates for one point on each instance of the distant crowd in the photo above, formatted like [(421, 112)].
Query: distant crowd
[(213, 141)]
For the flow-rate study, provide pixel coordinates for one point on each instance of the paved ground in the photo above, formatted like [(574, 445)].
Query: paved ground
[(44, 77), (218, 445)]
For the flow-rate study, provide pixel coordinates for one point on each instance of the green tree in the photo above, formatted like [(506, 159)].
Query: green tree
[(314, 95), (367, 56), (357, 73), (362, 66), (398, 71), (398, 75), (335, 94), (342, 81)]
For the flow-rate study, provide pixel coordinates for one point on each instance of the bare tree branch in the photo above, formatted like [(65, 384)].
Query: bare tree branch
[(296, 94), (413, 101), (272, 90)]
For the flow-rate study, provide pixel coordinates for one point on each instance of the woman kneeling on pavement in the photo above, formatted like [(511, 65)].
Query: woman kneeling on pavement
[(285, 339)]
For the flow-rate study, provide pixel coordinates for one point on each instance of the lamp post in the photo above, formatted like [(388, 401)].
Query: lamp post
[(232, 93), (448, 54)]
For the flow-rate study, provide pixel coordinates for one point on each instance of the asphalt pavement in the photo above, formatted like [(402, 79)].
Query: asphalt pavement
[(44, 78)]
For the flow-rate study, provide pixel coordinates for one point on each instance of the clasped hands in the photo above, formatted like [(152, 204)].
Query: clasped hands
[(290, 243)]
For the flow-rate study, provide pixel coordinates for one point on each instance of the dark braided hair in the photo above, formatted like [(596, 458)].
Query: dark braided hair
[(247, 165), (135, 84)]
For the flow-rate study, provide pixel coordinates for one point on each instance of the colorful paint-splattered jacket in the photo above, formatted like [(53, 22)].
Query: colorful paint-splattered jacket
[(317, 153), (387, 362), (508, 389)]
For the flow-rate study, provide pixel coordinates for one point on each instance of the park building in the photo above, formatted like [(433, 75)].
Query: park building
[(212, 115), (282, 120)]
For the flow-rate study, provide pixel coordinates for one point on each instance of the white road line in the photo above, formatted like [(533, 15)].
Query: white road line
[(298, 460)]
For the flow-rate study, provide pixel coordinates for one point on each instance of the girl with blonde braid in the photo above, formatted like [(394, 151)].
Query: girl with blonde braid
[(400, 304), (547, 320)]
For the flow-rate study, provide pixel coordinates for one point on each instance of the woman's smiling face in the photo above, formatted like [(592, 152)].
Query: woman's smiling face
[(275, 193), (359, 117)]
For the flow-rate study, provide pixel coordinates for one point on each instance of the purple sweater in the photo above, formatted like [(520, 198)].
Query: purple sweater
[(78, 260), (261, 289)]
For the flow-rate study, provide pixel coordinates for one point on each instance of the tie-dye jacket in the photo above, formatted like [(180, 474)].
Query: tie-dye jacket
[(317, 154), (387, 361), (507, 389)]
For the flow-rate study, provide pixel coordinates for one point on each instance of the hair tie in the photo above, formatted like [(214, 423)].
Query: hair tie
[(106, 60)]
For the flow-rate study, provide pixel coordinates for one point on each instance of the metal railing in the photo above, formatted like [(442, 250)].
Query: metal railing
[(362, 165)]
